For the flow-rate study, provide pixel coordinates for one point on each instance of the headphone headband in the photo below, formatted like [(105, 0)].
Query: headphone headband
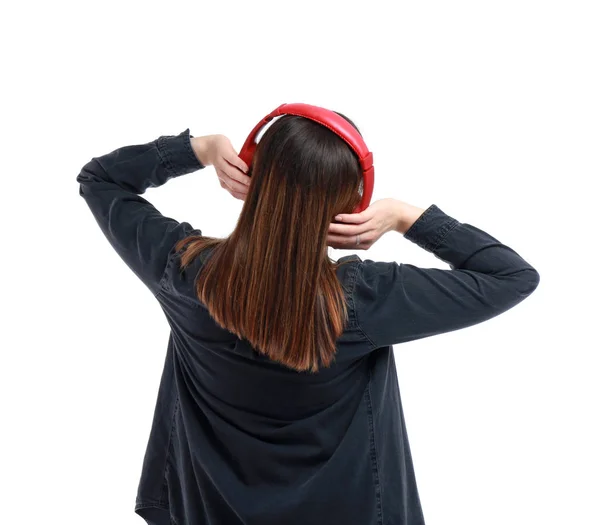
[(331, 120)]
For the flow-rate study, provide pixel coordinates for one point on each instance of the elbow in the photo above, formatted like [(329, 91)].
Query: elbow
[(90, 171), (528, 282), (82, 181), (88, 176)]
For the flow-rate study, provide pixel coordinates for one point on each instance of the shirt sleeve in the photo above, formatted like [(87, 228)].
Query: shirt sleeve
[(112, 184), (396, 303)]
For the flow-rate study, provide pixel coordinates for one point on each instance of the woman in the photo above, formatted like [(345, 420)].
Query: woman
[(279, 400)]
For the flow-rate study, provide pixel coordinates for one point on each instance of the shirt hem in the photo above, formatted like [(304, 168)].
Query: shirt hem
[(155, 513)]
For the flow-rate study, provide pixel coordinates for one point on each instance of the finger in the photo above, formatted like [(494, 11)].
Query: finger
[(232, 183), (354, 218), (225, 185), (351, 229), (236, 194), (234, 173), (239, 196), (338, 244), (233, 159), (346, 241)]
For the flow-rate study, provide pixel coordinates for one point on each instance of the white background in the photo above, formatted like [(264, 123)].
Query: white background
[(488, 109)]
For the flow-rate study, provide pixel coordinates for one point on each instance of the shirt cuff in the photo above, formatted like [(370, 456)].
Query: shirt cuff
[(177, 154), (429, 230)]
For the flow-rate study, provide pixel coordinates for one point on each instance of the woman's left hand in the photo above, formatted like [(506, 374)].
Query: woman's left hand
[(217, 151)]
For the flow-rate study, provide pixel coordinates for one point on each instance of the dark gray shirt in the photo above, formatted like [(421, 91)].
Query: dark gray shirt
[(239, 439)]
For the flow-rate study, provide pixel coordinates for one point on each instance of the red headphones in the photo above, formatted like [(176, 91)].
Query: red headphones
[(335, 123)]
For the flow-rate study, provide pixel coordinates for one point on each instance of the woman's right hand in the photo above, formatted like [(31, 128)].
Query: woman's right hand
[(380, 217)]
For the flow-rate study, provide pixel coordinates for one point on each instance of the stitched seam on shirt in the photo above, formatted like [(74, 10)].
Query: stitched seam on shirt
[(359, 267), (188, 146), (423, 216), (445, 230), (151, 504), (164, 155), (373, 450), (168, 454), (162, 283), (352, 279), (174, 259)]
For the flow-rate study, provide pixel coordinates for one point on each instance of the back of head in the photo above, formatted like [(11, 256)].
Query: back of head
[(271, 281)]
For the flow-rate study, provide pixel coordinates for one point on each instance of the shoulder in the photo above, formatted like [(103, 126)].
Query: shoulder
[(375, 280), (367, 270), (365, 280)]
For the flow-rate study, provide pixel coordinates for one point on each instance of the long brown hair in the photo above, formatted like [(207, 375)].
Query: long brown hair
[(271, 281)]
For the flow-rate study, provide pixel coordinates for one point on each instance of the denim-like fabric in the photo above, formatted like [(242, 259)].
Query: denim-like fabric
[(239, 439)]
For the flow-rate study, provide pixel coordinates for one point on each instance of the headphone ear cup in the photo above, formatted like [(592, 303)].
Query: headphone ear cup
[(247, 153)]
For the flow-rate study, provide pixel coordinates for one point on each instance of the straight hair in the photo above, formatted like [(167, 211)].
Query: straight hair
[(271, 281)]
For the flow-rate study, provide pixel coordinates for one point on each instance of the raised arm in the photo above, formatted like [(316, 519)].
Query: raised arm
[(396, 303), (112, 184)]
